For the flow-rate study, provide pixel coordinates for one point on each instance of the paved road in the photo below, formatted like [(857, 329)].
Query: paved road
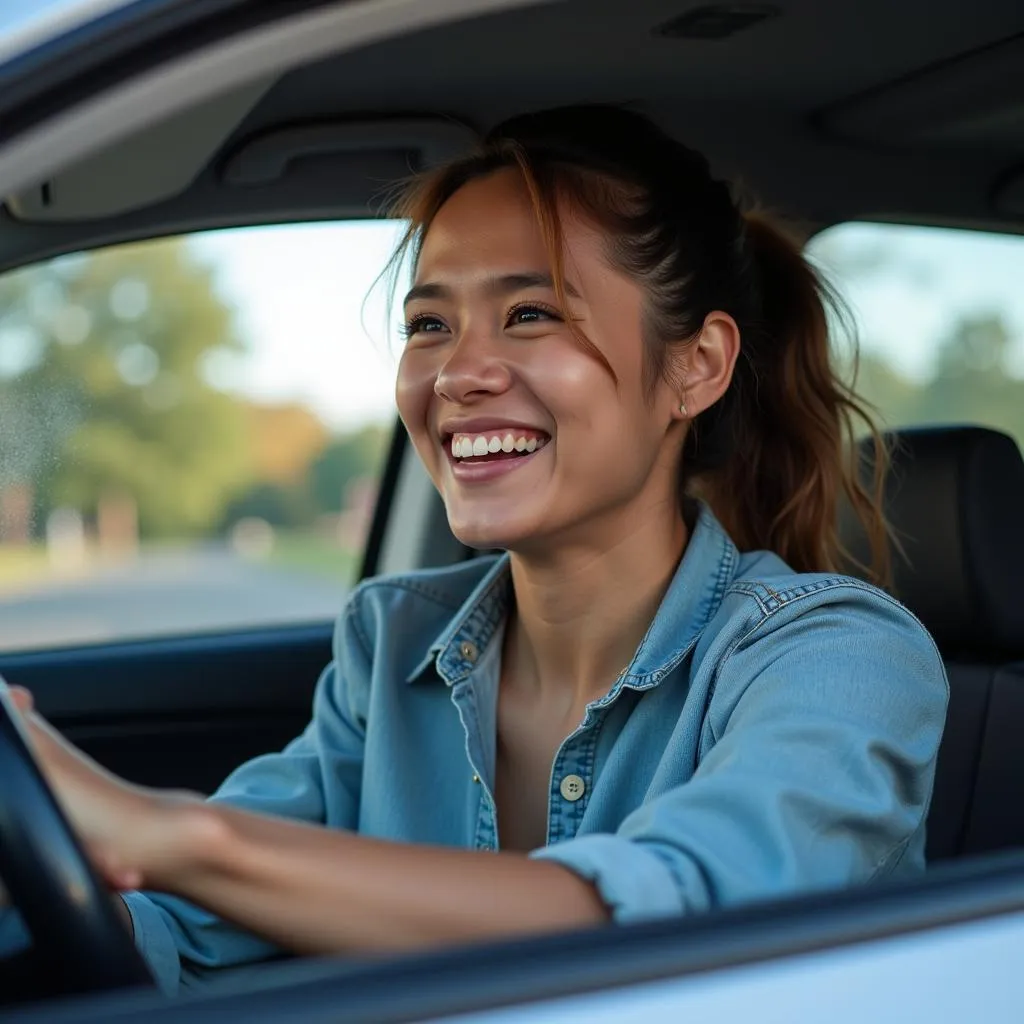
[(165, 594)]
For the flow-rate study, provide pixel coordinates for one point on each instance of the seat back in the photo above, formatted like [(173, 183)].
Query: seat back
[(955, 499)]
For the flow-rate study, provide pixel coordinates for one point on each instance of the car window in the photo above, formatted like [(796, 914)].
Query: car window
[(191, 432), (940, 319), (26, 23)]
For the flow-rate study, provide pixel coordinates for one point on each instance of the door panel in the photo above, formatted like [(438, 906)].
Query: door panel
[(179, 713)]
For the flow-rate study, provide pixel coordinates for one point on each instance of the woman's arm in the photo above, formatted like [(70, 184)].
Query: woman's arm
[(314, 890), (303, 887)]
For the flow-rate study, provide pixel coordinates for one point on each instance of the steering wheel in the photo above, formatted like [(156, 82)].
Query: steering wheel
[(67, 909)]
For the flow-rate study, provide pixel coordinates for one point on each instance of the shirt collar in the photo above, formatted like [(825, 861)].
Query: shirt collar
[(457, 649), (707, 567), (697, 588)]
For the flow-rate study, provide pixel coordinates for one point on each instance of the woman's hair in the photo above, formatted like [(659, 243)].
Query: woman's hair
[(776, 454)]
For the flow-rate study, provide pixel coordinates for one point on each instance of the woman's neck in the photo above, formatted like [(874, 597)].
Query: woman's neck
[(582, 610)]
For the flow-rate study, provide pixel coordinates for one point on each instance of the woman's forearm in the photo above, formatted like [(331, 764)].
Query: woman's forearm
[(314, 890)]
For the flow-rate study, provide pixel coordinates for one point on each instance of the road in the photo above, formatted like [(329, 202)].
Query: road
[(163, 595)]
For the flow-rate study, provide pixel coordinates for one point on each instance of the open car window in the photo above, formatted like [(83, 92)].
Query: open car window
[(940, 319), (192, 431)]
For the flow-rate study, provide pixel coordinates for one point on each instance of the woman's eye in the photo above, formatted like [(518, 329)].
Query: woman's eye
[(530, 314), (423, 324)]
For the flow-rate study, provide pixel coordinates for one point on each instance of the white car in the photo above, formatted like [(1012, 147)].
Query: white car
[(222, 161)]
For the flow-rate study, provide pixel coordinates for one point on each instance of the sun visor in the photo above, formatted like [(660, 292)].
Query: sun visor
[(413, 143), (975, 102), (147, 168)]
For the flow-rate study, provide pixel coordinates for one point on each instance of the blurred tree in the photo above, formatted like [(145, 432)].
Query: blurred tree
[(893, 399), (286, 439), (348, 459), (971, 382), (292, 489), (103, 388), (279, 505)]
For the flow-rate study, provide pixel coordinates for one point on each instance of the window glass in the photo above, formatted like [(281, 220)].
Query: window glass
[(940, 317), (191, 432)]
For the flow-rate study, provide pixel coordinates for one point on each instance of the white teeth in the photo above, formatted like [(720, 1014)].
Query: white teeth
[(466, 447)]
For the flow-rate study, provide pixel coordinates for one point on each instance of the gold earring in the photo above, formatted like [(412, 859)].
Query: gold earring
[(682, 408)]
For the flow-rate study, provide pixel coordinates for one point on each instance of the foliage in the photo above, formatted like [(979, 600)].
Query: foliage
[(285, 439), (970, 382), (103, 390), (343, 462)]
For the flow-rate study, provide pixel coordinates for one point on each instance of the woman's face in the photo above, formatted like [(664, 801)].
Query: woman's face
[(524, 432)]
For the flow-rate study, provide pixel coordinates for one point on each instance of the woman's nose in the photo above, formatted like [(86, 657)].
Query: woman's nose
[(472, 370)]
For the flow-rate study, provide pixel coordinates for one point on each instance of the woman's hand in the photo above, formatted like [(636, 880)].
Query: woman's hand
[(132, 834)]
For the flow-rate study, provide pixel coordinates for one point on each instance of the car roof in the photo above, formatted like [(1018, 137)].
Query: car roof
[(904, 111)]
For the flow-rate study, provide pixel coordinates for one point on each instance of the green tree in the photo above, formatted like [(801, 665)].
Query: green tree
[(972, 382), (348, 459), (280, 505), (893, 399), (103, 387)]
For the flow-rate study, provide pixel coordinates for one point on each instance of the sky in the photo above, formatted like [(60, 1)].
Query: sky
[(316, 325), (22, 22), (317, 329), (924, 281)]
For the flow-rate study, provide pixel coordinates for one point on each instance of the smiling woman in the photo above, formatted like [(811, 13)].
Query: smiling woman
[(664, 697)]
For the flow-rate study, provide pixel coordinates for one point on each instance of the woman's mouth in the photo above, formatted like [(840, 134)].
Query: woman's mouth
[(484, 456)]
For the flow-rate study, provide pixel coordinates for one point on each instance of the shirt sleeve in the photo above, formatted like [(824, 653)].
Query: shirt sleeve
[(317, 778), (824, 726)]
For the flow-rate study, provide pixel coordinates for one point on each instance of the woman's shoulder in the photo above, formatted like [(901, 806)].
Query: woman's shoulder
[(796, 646), (764, 591), (769, 611), (419, 602)]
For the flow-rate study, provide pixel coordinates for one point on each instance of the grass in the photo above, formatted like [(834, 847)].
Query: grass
[(311, 553), (22, 564)]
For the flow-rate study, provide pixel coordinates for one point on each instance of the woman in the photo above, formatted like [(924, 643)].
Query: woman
[(616, 376)]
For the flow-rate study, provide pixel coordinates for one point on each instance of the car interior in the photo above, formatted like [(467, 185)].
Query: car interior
[(907, 112)]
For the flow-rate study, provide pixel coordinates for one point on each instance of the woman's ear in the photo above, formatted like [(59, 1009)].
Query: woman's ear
[(707, 364)]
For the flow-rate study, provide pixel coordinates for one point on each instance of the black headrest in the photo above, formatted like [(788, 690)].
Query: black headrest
[(955, 499)]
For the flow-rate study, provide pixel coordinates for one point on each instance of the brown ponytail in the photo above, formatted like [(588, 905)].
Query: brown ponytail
[(775, 455), (779, 454)]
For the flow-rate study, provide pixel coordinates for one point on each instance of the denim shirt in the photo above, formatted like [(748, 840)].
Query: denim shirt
[(774, 733)]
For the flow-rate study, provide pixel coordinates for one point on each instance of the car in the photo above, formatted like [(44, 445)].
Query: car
[(170, 569)]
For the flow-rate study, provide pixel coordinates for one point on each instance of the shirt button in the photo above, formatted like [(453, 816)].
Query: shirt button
[(572, 788), (468, 650)]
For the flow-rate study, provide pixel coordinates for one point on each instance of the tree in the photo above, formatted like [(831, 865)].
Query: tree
[(286, 439), (104, 391), (972, 382), (348, 459)]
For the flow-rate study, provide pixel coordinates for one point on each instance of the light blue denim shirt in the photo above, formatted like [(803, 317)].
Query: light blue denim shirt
[(774, 733)]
